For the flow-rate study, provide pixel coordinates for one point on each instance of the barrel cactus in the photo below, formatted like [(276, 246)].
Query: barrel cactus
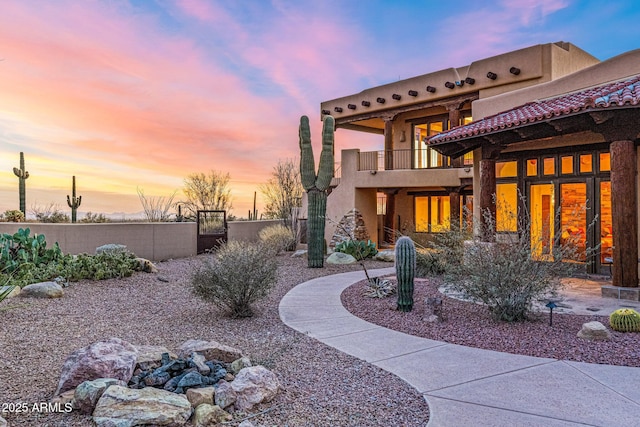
[(316, 186), (405, 272), (625, 320)]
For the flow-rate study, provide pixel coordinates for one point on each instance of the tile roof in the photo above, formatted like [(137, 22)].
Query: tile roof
[(615, 94)]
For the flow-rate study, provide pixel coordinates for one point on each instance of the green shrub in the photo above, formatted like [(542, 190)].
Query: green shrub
[(278, 238), (13, 216), (429, 262), (359, 249), (23, 248), (239, 274), (625, 320)]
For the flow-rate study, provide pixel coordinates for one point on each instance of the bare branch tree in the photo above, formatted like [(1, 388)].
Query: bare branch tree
[(156, 209), (207, 192), (283, 191)]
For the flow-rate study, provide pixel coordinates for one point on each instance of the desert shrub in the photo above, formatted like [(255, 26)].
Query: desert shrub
[(378, 287), (278, 238), (239, 274), (50, 213), (429, 262), (13, 216), (94, 218), (507, 276)]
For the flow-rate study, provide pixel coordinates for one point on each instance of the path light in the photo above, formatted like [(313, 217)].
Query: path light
[(551, 305)]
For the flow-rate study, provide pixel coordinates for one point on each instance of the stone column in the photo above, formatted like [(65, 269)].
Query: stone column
[(624, 213)]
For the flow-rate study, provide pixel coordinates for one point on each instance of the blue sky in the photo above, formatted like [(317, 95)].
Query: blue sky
[(127, 94)]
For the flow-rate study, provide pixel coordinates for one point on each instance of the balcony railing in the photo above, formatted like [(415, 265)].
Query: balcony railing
[(410, 159)]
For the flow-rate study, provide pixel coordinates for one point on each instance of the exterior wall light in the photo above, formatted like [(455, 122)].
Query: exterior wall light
[(338, 109), (351, 106), (492, 76), (469, 80), (396, 97), (514, 70), (380, 100), (431, 89), (366, 103), (449, 85), (413, 93), (326, 112)]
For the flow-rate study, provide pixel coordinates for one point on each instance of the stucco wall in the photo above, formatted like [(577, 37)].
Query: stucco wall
[(248, 231)]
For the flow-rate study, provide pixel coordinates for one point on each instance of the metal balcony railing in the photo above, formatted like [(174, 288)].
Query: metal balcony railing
[(410, 159)]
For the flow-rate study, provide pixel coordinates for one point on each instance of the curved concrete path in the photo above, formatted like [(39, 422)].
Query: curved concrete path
[(466, 386)]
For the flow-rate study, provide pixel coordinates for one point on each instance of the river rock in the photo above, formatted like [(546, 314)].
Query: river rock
[(148, 406), (42, 290), (211, 350), (113, 358), (87, 394), (254, 385)]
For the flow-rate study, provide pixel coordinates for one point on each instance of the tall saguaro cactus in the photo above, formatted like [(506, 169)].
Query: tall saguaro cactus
[(405, 272), (22, 176), (73, 201), (316, 186)]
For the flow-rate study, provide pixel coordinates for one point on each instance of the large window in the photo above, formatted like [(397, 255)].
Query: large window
[(433, 213), (425, 157)]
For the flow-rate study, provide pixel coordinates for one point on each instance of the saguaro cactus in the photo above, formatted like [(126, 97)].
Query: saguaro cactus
[(405, 272), (316, 186), (22, 176), (74, 202)]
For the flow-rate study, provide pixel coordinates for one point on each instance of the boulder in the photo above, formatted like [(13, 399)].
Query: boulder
[(198, 396), (254, 385), (198, 360), (148, 406), (68, 397), (150, 356), (225, 395), (87, 394), (113, 358), (386, 256), (594, 331), (3, 422), (14, 292), (146, 265), (42, 290), (340, 258), (238, 364), (210, 415), (111, 248), (299, 253), (211, 350)]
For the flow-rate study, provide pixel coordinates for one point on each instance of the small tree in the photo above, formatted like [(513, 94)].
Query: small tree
[(156, 209), (207, 192), (239, 274), (283, 191)]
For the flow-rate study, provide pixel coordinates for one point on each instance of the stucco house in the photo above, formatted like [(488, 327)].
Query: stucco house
[(549, 122)]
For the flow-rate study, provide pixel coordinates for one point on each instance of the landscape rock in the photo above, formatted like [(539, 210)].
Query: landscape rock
[(14, 293), (113, 358), (87, 394), (594, 331), (210, 415), (351, 226), (150, 356), (111, 248), (211, 350), (199, 361), (254, 385), (386, 256), (3, 422), (148, 406), (299, 253), (64, 398), (340, 258), (198, 396), (225, 395), (42, 290), (246, 423), (146, 266), (238, 364)]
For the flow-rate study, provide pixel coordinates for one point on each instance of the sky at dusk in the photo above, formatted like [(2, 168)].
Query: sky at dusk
[(128, 94)]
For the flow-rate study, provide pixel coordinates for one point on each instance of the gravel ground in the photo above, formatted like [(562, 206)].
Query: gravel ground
[(322, 387), (469, 324)]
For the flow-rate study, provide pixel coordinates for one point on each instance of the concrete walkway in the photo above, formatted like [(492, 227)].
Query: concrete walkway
[(465, 386)]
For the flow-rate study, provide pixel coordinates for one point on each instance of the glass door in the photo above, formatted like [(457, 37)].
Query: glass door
[(573, 218), (542, 207)]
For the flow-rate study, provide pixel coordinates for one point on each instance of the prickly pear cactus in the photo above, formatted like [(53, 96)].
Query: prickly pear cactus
[(22, 176), (316, 186), (405, 272), (625, 320), (74, 202)]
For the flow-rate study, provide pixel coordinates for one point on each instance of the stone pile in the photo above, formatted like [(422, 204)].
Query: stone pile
[(351, 226), (121, 384)]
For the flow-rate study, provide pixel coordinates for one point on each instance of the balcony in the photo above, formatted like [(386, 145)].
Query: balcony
[(410, 159)]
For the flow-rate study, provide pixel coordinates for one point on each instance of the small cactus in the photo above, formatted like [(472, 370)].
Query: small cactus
[(405, 272), (316, 186), (22, 177), (625, 320), (74, 202)]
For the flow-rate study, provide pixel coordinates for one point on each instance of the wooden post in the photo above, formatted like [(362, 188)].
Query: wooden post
[(388, 144), (487, 192), (624, 214), (389, 217), (454, 207)]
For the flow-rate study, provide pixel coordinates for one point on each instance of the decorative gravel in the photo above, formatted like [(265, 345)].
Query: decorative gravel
[(322, 387), (469, 324)]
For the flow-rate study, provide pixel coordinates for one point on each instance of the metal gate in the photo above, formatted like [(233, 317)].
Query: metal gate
[(212, 229)]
